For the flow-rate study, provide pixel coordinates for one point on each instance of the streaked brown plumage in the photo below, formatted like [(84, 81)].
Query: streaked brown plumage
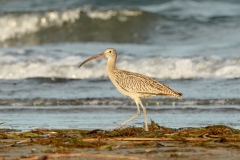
[(133, 85)]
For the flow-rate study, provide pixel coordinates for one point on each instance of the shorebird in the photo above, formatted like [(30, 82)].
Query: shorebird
[(134, 85)]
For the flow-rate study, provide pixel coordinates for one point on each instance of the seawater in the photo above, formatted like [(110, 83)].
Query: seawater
[(191, 46), (109, 117)]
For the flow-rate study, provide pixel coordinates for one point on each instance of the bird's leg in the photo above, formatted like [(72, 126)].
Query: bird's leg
[(145, 115), (133, 117)]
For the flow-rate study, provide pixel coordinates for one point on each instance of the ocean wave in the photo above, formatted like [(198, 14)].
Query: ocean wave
[(17, 24), (118, 23), (69, 25), (109, 109), (20, 67), (199, 10), (121, 102)]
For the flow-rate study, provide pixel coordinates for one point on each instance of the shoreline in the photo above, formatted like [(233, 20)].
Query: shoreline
[(215, 142)]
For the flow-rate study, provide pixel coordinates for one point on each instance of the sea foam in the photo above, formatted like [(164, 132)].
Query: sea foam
[(19, 67)]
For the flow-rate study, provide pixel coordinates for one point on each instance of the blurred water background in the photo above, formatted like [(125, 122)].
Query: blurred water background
[(191, 45)]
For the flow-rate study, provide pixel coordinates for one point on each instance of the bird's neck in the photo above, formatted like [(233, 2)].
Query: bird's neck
[(111, 64)]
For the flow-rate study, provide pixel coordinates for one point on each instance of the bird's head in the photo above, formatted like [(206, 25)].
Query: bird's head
[(109, 53)]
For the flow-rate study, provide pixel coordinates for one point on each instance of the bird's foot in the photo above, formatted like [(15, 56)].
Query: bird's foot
[(146, 128), (119, 127)]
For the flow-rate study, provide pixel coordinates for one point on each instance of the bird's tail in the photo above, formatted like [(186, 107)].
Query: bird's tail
[(178, 95), (172, 93)]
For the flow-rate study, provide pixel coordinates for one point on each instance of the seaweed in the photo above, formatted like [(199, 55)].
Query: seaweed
[(68, 140)]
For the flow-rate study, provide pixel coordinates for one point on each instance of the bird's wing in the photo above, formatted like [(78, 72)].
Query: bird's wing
[(137, 83)]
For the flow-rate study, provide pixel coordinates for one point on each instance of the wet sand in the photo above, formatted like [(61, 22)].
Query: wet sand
[(126, 150), (129, 150)]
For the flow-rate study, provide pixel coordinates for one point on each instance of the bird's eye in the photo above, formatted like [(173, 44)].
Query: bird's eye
[(110, 51)]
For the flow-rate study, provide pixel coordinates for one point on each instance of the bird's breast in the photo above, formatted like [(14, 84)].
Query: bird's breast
[(114, 77)]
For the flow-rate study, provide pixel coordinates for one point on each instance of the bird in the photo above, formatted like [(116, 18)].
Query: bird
[(133, 85)]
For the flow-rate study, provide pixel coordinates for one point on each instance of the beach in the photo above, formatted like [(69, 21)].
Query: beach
[(211, 142), (191, 46)]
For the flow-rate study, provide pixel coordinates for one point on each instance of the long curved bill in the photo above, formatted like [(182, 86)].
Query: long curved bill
[(91, 58)]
